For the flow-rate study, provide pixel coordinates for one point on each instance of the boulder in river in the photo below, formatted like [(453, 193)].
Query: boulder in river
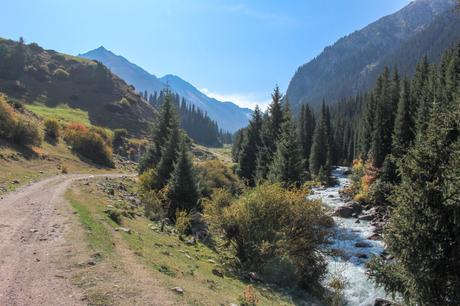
[(383, 302), (348, 210), (362, 244)]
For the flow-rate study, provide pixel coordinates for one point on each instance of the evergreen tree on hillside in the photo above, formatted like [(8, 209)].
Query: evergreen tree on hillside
[(367, 126), (265, 151), (246, 167), (160, 135), (237, 143), (270, 133), (426, 102), (403, 133), (182, 191), (384, 119), (424, 233), (276, 116), (321, 148), (306, 129), (287, 162), (194, 121), (169, 157)]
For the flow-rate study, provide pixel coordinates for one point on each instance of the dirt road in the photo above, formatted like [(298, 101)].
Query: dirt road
[(33, 221)]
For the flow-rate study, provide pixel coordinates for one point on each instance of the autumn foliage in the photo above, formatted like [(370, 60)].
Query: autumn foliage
[(92, 143)]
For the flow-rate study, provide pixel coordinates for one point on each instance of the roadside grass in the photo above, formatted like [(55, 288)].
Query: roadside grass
[(170, 261), (20, 166), (98, 235), (62, 113)]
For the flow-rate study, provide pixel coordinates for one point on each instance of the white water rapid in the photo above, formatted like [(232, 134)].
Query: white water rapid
[(350, 260)]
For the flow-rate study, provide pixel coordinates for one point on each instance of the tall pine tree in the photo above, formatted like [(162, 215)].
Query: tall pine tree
[(182, 191), (287, 163), (249, 149)]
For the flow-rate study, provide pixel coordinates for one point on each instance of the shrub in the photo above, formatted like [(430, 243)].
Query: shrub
[(27, 132), (154, 207), (213, 174), (115, 215), (249, 297), (17, 128), (61, 74), (120, 141), (276, 232), (213, 208), (183, 222), (90, 143), (8, 119), (52, 129)]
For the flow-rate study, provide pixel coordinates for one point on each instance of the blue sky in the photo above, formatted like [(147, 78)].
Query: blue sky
[(232, 50)]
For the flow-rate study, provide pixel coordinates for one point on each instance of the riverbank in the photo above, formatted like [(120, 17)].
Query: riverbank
[(351, 246)]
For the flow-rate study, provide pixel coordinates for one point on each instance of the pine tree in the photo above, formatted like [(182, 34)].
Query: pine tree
[(182, 189), (367, 126), (270, 132), (249, 149), (287, 163), (403, 133), (423, 233), (384, 119), (160, 134), (306, 130), (169, 157), (320, 149), (276, 115)]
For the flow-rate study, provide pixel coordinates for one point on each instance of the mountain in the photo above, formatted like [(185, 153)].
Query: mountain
[(128, 71), (31, 74), (228, 115), (352, 64)]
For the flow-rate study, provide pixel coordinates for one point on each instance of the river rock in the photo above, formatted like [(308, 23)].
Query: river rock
[(362, 244), (366, 217), (374, 237), (217, 273), (383, 302), (178, 290), (347, 210)]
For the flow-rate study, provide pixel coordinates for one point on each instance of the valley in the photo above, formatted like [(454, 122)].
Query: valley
[(118, 187)]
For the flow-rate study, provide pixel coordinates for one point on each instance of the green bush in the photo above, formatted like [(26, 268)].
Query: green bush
[(61, 74), (8, 119), (52, 129), (120, 141), (17, 128), (183, 222), (213, 174), (93, 144), (274, 231), (115, 215), (27, 133)]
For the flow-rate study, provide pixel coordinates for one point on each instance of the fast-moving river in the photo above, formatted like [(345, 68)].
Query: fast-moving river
[(350, 259)]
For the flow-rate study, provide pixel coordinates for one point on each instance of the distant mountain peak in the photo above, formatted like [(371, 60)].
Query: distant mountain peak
[(228, 115)]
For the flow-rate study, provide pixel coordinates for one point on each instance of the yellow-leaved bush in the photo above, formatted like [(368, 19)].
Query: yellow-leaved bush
[(274, 231)]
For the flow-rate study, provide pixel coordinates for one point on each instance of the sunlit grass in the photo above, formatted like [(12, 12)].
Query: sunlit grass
[(62, 113)]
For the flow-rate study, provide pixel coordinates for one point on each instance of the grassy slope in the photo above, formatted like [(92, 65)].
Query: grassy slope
[(30, 164), (187, 266), (62, 113)]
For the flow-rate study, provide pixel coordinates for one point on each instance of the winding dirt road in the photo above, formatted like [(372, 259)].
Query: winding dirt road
[(33, 221)]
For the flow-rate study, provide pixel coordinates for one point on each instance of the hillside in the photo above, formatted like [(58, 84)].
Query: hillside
[(352, 64), (34, 75), (228, 115)]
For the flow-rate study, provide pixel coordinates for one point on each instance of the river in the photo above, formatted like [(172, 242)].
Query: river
[(350, 261)]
